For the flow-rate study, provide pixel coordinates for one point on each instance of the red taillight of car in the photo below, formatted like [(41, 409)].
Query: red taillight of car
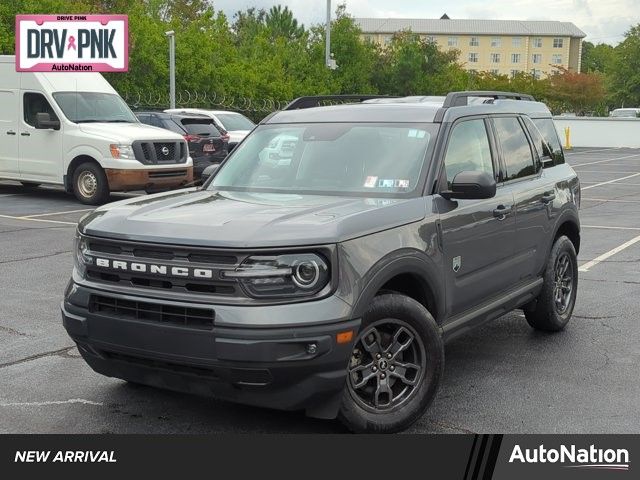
[(192, 138), (225, 136)]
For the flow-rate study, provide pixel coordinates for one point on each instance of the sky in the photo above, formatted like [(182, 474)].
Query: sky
[(604, 21)]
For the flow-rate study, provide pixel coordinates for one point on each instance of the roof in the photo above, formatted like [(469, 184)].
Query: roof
[(199, 116), (470, 27), (202, 111)]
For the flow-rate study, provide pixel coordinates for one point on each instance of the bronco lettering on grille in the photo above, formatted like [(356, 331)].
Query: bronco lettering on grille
[(154, 269)]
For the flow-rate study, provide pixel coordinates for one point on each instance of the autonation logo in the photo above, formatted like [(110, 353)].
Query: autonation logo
[(573, 457)]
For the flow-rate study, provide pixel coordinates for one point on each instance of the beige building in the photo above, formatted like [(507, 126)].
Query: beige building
[(504, 47)]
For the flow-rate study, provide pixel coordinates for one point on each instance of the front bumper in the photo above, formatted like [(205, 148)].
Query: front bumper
[(157, 179), (293, 367)]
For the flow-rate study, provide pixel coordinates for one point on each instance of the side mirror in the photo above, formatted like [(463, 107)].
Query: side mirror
[(44, 122), (209, 172), (471, 185)]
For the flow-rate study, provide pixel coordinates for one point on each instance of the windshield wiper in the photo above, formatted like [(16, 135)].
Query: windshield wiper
[(88, 121), (118, 121)]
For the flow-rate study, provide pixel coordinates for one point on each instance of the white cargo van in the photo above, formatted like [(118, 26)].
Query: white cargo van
[(73, 129)]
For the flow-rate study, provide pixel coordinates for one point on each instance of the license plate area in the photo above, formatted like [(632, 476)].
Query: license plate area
[(208, 147)]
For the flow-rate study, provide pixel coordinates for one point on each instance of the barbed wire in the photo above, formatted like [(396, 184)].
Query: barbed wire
[(195, 99)]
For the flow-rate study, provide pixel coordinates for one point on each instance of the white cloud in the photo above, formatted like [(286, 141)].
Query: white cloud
[(602, 21)]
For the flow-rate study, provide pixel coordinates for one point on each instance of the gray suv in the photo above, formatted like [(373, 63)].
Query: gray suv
[(328, 279)]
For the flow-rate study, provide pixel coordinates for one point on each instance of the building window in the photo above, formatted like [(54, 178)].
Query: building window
[(431, 39), (514, 73), (516, 42), (495, 58), (536, 73), (474, 42), (558, 42), (452, 41), (473, 71), (369, 38), (496, 42), (537, 58), (387, 39), (556, 59), (537, 42), (494, 71), (515, 58), (473, 57)]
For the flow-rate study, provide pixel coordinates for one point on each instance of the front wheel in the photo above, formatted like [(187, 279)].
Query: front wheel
[(553, 308), (90, 184), (395, 369)]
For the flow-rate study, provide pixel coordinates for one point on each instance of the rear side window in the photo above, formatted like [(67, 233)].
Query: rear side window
[(200, 128), (173, 126), (35, 103), (468, 150), (548, 130), (541, 145), (516, 151)]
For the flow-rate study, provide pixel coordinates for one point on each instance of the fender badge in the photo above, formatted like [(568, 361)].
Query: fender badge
[(457, 263)]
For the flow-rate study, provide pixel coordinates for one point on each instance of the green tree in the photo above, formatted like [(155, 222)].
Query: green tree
[(281, 23), (624, 72), (596, 58)]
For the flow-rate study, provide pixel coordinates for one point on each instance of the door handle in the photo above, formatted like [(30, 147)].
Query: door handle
[(10, 132), (501, 212), (25, 134), (548, 197)]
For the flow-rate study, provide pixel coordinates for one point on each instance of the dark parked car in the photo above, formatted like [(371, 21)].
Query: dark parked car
[(207, 145), (328, 280)]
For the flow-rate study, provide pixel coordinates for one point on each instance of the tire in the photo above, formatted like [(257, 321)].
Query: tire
[(30, 184), (90, 184), (548, 312), (399, 326)]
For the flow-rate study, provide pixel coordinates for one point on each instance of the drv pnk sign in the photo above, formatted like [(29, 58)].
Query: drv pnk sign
[(72, 43)]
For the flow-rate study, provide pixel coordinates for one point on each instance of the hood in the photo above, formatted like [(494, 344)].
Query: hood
[(248, 220), (128, 132)]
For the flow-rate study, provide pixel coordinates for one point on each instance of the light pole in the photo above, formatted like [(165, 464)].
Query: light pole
[(172, 68), (327, 47)]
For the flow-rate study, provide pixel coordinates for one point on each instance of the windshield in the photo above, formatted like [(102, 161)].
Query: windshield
[(85, 107), (329, 158), (235, 121)]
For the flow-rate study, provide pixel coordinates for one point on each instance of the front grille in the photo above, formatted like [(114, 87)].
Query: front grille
[(167, 173), (197, 318), (151, 254), (160, 152)]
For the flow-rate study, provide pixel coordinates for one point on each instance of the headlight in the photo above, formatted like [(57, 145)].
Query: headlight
[(273, 276), (122, 152), (81, 258)]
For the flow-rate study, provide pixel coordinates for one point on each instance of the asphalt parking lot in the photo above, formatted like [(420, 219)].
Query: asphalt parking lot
[(503, 377)]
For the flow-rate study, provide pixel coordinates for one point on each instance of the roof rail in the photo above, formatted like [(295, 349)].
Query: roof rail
[(316, 101), (460, 99)]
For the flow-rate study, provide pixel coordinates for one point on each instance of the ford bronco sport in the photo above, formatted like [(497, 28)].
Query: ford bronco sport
[(328, 280)]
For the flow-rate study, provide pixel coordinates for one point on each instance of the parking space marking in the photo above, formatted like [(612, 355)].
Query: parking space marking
[(610, 181), (58, 213), (606, 227), (606, 255), (52, 402), (609, 200), (585, 152), (606, 160), (38, 220)]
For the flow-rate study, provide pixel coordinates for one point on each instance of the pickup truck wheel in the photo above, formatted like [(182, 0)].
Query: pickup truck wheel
[(30, 184), (90, 184), (395, 369), (552, 309)]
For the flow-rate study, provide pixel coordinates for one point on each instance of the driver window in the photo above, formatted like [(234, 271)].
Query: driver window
[(468, 150), (35, 103)]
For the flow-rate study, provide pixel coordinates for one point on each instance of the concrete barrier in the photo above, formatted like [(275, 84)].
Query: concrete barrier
[(600, 132)]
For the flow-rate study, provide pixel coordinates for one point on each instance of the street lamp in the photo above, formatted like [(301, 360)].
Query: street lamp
[(328, 61), (172, 67)]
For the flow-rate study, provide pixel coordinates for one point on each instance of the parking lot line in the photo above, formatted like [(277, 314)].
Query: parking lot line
[(610, 181), (606, 227), (585, 152), (609, 200), (37, 220), (610, 253), (605, 160), (58, 213)]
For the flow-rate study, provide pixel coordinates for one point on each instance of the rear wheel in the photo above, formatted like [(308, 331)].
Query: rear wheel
[(553, 308), (31, 184), (90, 184), (395, 368)]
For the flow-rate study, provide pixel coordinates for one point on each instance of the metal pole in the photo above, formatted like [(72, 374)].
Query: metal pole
[(327, 48), (172, 68)]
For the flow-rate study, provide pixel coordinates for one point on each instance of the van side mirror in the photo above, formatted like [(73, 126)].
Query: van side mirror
[(44, 122), (471, 185), (209, 172)]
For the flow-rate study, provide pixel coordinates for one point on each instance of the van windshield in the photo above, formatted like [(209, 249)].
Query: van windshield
[(362, 159), (85, 107)]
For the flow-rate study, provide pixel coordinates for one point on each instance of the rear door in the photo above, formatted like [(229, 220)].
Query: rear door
[(9, 133), (478, 236), (533, 192)]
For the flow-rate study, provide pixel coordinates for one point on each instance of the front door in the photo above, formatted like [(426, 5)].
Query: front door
[(9, 134), (478, 236), (40, 149)]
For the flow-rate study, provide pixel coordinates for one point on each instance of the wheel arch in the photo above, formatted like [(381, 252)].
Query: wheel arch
[(568, 225), (412, 274), (73, 164)]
